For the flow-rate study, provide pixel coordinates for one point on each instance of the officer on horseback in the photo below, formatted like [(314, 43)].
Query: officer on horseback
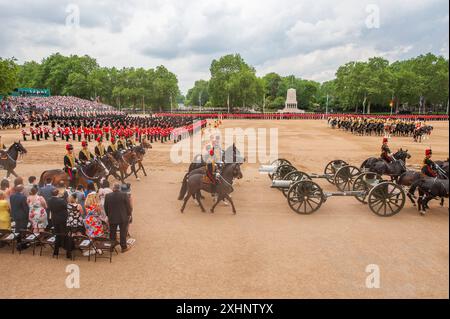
[(69, 165), (386, 154), (85, 155), (112, 148), (211, 168), (99, 148), (429, 167)]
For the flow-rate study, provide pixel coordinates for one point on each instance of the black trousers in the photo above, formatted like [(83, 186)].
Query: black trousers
[(61, 234), (123, 233)]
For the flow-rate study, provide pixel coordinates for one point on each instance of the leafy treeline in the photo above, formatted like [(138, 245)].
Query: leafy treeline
[(417, 84), (82, 76), (358, 87)]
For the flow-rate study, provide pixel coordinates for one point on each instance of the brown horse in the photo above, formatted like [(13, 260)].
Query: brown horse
[(130, 158), (194, 183), (95, 171)]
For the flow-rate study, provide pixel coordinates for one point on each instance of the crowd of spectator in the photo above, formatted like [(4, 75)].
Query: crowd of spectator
[(66, 213)]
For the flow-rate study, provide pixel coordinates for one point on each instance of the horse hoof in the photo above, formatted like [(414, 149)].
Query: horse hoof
[(211, 211), (234, 213), (182, 211), (138, 179)]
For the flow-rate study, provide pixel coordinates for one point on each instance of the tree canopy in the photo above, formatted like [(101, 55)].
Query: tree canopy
[(81, 76), (417, 84)]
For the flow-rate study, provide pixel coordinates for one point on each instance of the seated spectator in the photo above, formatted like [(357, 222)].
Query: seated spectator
[(38, 213), (5, 212)]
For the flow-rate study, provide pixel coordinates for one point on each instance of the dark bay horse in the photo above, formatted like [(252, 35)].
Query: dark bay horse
[(94, 171), (8, 160), (431, 188), (112, 166), (193, 183), (399, 155), (129, 159)]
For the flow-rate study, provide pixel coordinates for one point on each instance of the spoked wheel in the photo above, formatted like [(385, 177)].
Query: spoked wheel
[(345, 177), (331, 169), (279, 162), (386, 199), (282, 171), (305, 197), (364, 183), (295, 176)]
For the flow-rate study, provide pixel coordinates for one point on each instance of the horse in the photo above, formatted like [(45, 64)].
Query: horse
[(130, 158), (431, 188), (193, 183), (94, 171), (400, 155), (112, 165), (411, 179), (8, 159)]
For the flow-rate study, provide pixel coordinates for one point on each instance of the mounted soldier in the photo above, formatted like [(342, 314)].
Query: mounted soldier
[(69, 165), (121, 143), (112, 148), (386, 154), (99, 148), (85, 155), (429, 167)]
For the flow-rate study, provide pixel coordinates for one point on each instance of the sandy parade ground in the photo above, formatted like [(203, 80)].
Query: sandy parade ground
[(266, 250)]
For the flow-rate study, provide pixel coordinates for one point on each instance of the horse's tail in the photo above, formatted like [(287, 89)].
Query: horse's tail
[(184, 187), (41, 179)]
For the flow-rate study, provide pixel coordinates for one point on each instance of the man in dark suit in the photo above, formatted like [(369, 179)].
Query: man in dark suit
[(118, 209), (58, 208), (19, 211), (46, 192)]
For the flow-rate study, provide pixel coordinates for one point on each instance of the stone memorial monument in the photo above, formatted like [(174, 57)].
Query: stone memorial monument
[(291, 103)]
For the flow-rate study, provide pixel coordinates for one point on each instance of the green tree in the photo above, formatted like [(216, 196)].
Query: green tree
[(8, 75)]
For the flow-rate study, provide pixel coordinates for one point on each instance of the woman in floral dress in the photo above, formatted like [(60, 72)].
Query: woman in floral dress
[(38, 215), (92, 220)]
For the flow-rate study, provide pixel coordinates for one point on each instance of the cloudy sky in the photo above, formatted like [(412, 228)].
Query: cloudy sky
[(308, 38)]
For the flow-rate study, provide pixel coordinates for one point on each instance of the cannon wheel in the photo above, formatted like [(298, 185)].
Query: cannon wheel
[(386, 199), (279, 162), (282, 171), (305, 197), (331, 169), (363, 183), (295, 176), (345, 177)]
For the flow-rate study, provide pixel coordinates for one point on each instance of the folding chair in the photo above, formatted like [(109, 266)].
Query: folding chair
[(47, 239), (82, 243), (104, 244), (28, 237), (8, 237)]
